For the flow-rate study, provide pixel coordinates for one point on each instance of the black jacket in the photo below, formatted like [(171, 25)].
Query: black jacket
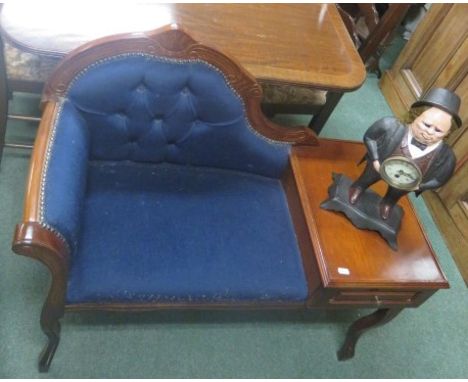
[(384, 136)]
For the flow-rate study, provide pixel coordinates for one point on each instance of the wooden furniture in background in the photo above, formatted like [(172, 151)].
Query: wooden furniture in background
[(437, 56), (303, 45), (370, 31)]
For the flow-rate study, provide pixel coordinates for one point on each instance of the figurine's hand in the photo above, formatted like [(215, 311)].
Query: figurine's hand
[(376, 164)]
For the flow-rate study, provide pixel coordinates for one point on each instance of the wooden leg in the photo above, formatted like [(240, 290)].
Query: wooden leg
[(383, 31), (379, 317), (33, 240), (319, 120), (51, 327)]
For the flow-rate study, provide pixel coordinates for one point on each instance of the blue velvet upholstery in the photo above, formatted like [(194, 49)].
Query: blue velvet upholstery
[(171, 233), (164, 192), (151, 110), (65, 179)]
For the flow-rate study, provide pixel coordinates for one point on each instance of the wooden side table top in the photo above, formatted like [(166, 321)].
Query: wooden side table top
[(347, 256), (281, 43)]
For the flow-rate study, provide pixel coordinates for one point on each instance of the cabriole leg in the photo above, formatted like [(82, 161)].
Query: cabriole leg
[(33, 240), (51, 327), (379, 317)]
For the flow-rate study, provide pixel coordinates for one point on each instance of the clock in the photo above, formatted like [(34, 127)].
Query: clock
[(401, 172)]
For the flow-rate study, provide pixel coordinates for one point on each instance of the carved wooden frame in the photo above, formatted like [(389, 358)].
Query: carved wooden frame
[(173, 42), (34, 239)]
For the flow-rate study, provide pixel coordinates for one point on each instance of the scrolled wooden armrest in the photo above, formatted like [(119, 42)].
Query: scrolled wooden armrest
[(33, 238)]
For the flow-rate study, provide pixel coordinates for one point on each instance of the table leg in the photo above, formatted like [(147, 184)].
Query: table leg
[(379, 317), (319, 120)]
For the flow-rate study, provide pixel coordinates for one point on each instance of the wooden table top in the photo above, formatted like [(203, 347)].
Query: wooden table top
[(347, 256), (304, 44)]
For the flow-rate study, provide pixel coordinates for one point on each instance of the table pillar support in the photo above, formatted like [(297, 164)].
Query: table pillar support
[(363, 324), (318, 121)]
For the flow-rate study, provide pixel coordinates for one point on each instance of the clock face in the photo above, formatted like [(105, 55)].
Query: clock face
[(400, 172)]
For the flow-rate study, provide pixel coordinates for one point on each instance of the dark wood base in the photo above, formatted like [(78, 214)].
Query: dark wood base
[(378, 318), (318, 121), (320, 114), (365, 213), (51, 326), (47, 354)]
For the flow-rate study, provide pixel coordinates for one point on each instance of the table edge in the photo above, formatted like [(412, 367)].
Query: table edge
[(345, 82)]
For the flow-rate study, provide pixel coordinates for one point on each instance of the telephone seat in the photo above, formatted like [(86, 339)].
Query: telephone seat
[(156, 181)]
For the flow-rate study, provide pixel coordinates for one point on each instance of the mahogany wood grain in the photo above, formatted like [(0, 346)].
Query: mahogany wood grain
[(30, 234), (293, 43), (32, 198), (309, 260), (287, 43), (33, 240), (364, 254)]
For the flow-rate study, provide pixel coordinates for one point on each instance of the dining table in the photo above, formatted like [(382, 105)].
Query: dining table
[(305, 45)]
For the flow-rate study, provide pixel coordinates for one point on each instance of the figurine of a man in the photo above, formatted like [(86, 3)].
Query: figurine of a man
[(421, 141)]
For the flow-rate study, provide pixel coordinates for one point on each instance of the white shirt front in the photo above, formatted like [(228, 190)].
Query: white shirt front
[(416, 152)]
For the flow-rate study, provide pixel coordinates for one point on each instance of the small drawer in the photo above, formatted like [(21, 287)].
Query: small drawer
[(373, 298)]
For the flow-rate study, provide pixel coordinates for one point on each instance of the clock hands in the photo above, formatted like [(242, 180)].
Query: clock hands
[(401, 172)]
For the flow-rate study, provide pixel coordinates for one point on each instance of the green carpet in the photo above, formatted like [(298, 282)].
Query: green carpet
[(428, 342)]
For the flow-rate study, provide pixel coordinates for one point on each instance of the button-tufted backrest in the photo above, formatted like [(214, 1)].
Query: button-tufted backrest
[(143, 108)]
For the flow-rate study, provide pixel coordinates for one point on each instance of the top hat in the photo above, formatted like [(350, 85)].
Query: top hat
[(443, 99)]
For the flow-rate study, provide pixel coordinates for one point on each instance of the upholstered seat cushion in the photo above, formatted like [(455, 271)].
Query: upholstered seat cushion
[(177, 233)]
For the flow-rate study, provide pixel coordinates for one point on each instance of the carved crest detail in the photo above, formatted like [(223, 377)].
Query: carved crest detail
[(172, 42)]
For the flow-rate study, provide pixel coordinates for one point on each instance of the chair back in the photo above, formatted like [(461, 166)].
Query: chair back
[(163, 98)]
